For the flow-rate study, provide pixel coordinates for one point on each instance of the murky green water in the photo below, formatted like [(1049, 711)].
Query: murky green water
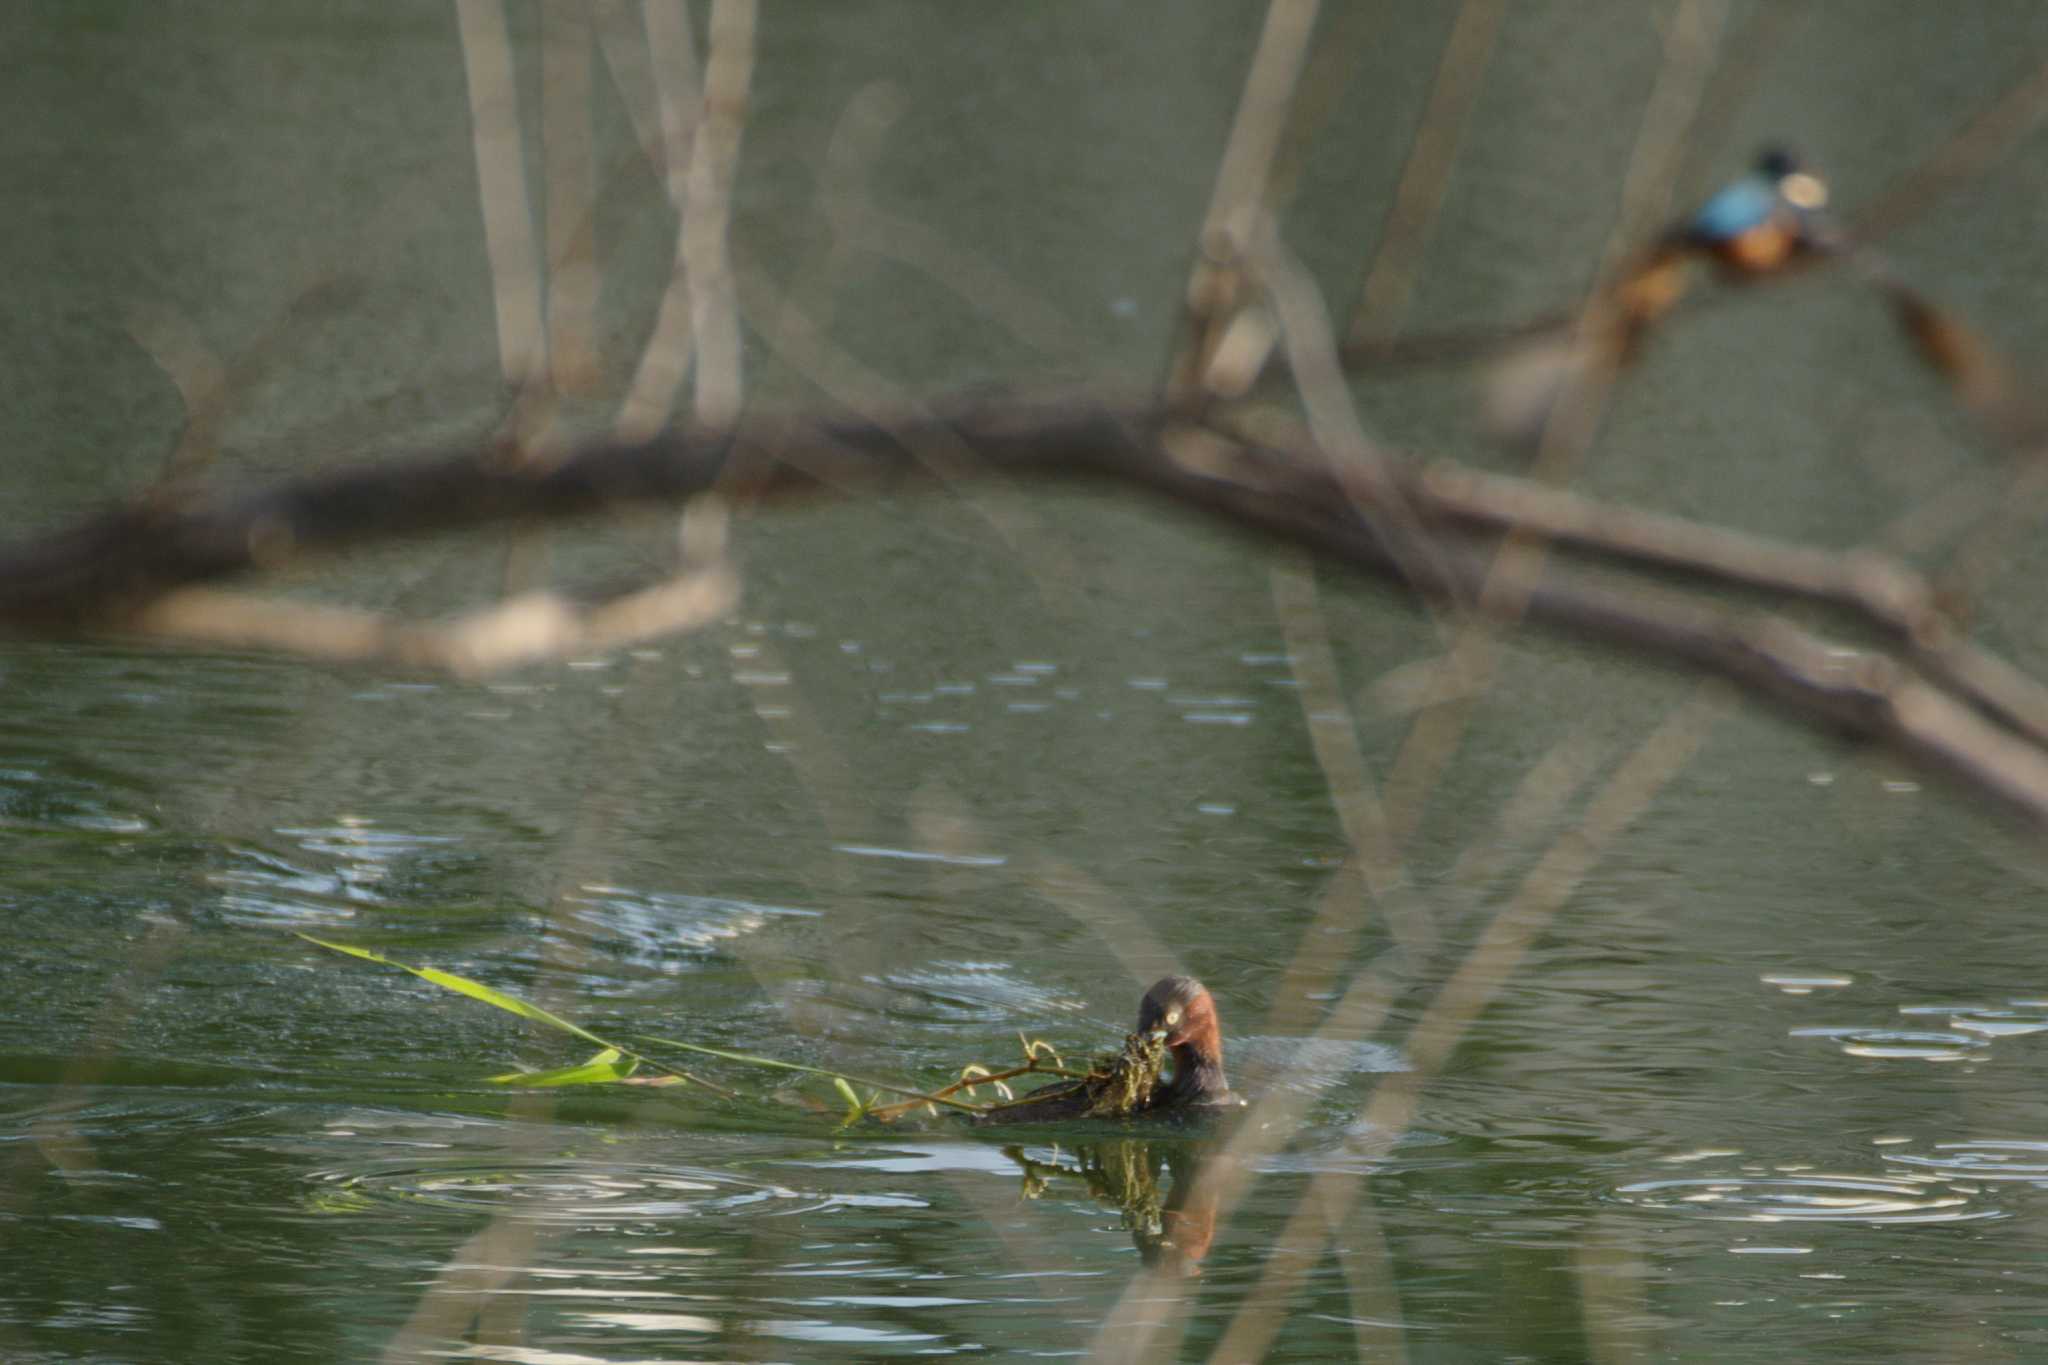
[(1765, 1087)]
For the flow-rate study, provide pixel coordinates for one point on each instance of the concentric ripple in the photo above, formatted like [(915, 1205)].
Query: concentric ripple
[(1984, 1160), (1999, 1023), (1926, 1045), (1808, 1199), (579, 1192)]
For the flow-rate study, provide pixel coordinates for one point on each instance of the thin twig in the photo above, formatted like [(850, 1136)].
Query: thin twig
[(1237, 204), (1990, 134), (666, 355), (1390, 280), (569, 173), (1372, 872), (1445, 1020), (707, 212), (501, 185), (521, 630), (1568, 427)]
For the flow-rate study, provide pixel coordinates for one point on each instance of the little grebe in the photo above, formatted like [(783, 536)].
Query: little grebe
[(1183, 1009), (1178, 1012)]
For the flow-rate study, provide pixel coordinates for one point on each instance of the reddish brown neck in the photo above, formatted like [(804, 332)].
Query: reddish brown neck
[(1197, 1048), (1197, 1076)]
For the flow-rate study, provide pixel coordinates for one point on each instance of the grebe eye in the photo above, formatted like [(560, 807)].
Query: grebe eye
[(1173, 1015)]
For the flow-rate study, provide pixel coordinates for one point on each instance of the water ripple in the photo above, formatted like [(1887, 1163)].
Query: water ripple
[(1808, 1199), (1926, 1045), (976, 992), (655, 927), (561, 1192), (1982, 1160)]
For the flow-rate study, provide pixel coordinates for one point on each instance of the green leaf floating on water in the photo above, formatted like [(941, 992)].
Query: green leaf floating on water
[(607, 1066)]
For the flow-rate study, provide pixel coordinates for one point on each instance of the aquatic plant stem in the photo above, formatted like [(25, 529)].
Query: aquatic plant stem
[(917, 1096)]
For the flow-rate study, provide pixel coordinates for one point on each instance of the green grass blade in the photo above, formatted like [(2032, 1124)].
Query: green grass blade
[(613, 1063), (603, 1069), (462, 985)]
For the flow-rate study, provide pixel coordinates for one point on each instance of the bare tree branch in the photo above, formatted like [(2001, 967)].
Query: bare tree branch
[(1939, 702)]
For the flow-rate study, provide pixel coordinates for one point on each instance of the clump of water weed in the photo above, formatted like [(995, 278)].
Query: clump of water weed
[(1120, 1086), (1117, 1086)]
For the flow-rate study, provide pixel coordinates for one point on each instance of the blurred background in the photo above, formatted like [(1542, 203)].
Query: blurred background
[(1759, 1079)]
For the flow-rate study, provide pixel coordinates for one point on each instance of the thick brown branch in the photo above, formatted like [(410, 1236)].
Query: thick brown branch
[(98, 575)]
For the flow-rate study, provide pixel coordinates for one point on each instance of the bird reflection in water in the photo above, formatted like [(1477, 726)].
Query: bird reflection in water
[(1172, 1227)]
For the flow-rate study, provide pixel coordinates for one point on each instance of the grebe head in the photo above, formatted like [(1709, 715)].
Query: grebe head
[(1180, 1010)]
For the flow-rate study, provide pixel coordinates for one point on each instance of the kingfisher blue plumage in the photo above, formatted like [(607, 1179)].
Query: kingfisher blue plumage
[(1763, 220), (1755, 226)]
